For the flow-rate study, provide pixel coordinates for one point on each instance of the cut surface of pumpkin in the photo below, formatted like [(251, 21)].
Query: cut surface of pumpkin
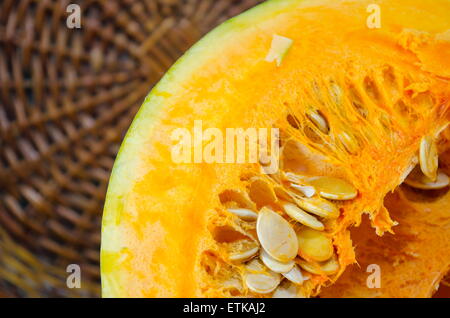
[(249, 163), (413, 262)]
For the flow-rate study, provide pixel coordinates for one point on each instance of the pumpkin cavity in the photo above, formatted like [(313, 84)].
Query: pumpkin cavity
[(280, 235)]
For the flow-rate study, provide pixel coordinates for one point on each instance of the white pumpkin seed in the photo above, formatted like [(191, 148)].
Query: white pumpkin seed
[(334, 188), (260, 279), (318, 121), (294, 178), (329, 267), (428, 157), (295, 276), (302, 217), (273, 264), (244, 255), (313, 269), (418, 180), (287, 290), (307, 191), (244, 214), (336, 93), (318, 207), (276, 235)]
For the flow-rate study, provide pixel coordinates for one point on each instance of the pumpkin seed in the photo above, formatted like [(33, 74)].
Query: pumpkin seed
[(276, 235), (293, 177), (302, 217), (311, 268), (275, 265), (245, 255), (428, 157), (325, 268), (244, 214), (330, 267), (314, 245), (334, 188), (318, 206), (295, 276), (307, 191), (349, 142), (418, 180), (260, 279), (287, 290), (336, 93), (318, 121)]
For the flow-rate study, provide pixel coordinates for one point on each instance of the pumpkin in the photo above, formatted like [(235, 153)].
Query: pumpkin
[(264, 145)]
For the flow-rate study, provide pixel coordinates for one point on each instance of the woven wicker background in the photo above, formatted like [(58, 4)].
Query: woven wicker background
[(67, 96)]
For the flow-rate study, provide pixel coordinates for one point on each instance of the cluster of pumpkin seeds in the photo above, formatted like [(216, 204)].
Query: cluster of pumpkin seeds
[(283, 258), (427, 176)]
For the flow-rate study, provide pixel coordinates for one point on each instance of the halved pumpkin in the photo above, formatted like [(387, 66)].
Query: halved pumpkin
[(356, 107)]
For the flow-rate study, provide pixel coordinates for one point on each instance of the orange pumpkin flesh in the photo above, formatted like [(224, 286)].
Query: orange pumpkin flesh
[(166, 231), (413, 261)]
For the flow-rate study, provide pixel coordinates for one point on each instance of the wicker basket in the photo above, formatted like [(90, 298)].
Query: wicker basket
[(67, 97)]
